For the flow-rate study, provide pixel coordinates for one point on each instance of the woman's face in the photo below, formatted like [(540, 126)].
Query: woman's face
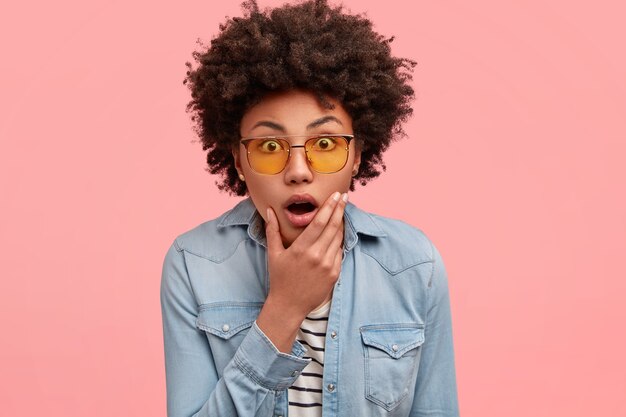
[(294, 113)]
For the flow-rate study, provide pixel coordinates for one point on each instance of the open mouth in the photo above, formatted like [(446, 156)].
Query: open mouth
[(300, 208)]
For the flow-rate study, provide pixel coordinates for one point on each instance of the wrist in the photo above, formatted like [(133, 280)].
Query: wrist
[(288, 314), (279, 324)]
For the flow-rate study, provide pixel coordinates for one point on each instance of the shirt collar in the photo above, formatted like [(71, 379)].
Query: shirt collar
[(357, 222)]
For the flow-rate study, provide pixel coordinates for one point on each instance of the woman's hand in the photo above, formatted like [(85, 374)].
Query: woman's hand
[(303, 275)]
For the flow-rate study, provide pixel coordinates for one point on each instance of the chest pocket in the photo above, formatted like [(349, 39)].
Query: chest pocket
[(226, 324), (391, 353)]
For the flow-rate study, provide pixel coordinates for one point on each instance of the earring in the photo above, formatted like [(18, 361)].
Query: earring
[(241, 177)]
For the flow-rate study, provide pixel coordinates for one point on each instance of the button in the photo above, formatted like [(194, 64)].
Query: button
[(394, 348), (330, 387), (225, 328), (333, 335), (295, 373)]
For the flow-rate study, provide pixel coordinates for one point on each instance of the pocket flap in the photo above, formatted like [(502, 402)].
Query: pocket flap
[(394, 339), (226, 320)]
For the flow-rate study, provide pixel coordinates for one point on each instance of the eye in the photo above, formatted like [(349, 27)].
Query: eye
[(325, 144), (270, 146)]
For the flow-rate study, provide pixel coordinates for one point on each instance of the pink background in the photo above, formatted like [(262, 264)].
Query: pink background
[(514, 166)]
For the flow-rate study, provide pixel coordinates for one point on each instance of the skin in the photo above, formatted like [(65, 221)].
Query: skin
[(303, 262), (289, 114)]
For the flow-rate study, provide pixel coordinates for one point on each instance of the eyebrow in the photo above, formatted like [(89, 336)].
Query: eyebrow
[(323, 120), (313, 124)]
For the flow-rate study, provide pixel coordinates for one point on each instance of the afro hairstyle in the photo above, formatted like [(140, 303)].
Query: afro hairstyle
[(308, 46)]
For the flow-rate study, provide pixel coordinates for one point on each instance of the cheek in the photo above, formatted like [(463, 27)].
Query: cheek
[(263, 192), (339, 182), (346, 175)]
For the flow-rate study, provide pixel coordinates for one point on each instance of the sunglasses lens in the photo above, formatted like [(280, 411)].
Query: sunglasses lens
[(327, 154), (268, 156)]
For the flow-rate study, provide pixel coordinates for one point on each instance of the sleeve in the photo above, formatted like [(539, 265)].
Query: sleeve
[(435, 390), (250, 382)]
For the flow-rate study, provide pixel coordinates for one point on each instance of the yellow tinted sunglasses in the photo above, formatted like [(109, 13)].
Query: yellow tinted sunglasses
[(326, 154)]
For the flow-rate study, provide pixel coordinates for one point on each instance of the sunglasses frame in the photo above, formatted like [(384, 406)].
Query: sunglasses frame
[(348, 138)]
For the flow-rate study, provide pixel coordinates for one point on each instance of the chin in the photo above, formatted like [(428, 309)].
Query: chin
[(289, 237)]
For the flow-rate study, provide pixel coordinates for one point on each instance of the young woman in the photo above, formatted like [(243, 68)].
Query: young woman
[(295, 302)]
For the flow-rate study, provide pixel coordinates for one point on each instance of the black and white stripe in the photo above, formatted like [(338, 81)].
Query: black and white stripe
[(305, 395)]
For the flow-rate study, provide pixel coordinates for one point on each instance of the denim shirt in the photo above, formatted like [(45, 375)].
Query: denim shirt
[(388, 350)]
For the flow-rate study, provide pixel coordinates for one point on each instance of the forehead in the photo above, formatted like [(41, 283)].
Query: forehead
[(294, 112)]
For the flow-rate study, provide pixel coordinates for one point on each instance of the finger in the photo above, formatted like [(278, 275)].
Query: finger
[(272, 233), (335, 244), (335, 223), (311, 233), (338, 259)]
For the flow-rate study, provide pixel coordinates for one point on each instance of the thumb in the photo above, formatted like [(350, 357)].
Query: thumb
[(272, 233)]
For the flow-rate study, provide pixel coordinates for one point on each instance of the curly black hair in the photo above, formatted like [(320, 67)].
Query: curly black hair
[(309, 46)]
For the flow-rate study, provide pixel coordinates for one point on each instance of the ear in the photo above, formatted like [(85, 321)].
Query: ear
[(357, 159), (235, 151)]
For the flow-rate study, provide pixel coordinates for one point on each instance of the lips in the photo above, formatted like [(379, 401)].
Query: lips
[(300, 209)]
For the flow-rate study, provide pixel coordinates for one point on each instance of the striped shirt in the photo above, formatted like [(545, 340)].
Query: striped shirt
[(305, 395)]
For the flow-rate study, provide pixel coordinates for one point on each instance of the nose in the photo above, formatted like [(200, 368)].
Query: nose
[(298, 170)]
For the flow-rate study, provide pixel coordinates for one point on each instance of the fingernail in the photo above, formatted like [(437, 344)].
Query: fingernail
[(336, 196), (267, 213), (345, 197)]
